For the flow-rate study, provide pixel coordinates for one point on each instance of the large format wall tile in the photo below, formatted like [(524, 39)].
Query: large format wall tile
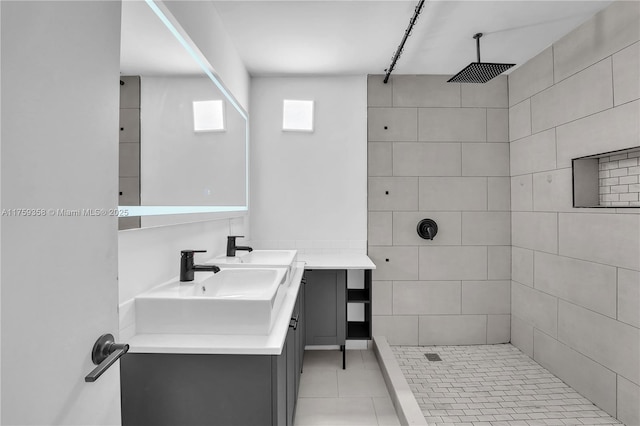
[(552, 190), (522, 193), (425, 91), (486, 228), (453, 263), (610, 130), (521, 333), (629, 297), (401, 124), (129, 125), (484, 159), (380, 230), (584, 375), (393, 193), (498, 329), (129, 159), (626, 74), (499, 266), (497, 125), (520, 120), (536, 231), (587, 284), (522, 265), (535, 308), (486, 297), (583, 94), (398, 329), (382, 297), (493, 94), (378, 93), (611, 343), (532, 77), (394, 263), (426, 159), (499, 193), (379, 159), (628, 397), (611, 30), (612, 239), (452, 124), (405, 228), (452, 330), (453, 193), (426, 297), (536, 153)]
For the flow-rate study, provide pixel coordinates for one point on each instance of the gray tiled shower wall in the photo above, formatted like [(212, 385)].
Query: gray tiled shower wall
[(443, 155), (575, 295), (513, 260)]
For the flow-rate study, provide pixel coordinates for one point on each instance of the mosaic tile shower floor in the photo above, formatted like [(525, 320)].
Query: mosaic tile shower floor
[(492, 385)]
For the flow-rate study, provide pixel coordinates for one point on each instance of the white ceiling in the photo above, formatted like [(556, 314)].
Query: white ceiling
[(360, 37)]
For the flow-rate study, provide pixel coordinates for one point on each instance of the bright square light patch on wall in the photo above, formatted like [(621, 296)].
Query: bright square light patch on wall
[(208, 116), (297, 116)]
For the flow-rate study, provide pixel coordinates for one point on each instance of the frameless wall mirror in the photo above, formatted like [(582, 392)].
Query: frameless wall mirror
[(183, 136)]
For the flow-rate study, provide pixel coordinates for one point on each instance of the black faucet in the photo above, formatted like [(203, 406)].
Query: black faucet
[(232, 247), (187, 268)]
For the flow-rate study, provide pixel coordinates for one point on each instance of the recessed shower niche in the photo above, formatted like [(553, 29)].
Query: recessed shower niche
[(610, 179)]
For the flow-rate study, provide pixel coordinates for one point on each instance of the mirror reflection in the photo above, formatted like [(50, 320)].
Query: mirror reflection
[(183, 144)]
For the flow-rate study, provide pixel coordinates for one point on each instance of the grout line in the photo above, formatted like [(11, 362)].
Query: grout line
[(533, 269), (557, 317), (616, 396), (486, 334), (486, 125), (558, 233), (553, 65), (613, 88), (617, 292)]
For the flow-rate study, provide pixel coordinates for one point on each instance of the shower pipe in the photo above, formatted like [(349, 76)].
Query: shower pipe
[(407, 33)]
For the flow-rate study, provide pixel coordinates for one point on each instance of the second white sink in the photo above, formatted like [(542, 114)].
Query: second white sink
[(259, 259)]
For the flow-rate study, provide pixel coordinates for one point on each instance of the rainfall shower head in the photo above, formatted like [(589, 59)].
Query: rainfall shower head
[(479, 72)]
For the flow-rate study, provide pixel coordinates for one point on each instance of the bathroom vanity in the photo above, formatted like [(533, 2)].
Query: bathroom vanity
[(171, 376)]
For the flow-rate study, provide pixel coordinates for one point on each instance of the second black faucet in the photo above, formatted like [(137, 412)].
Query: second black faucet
[(232, 247)]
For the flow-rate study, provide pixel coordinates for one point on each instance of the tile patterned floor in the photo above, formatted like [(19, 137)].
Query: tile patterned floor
[(492, 385), (330, 395)]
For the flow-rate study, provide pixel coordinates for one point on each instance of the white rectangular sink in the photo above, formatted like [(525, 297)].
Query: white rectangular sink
[(259, 259), (233, 301)]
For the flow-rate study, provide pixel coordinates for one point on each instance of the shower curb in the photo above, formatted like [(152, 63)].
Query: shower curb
[(407, 408)]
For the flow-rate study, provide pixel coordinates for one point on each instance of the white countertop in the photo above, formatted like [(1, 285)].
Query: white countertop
[(270, 344), (226, 343), (336, 261)]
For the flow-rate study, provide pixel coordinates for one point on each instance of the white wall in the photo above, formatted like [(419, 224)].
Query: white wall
[(309, 190), (575, 294), (60, 66)]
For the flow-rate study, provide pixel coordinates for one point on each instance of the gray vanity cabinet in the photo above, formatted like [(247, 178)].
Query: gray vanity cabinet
[(214, 389), (325, 310)]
